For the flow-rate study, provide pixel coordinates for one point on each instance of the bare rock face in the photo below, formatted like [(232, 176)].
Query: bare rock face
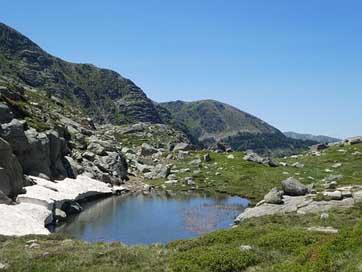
[(5, 114), (37, 152), (11, 173)]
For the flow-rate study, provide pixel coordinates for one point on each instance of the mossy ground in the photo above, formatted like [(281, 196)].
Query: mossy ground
[(279, 243)]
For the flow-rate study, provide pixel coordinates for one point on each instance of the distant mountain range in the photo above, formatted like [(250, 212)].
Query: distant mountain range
[(317, 138), (110, 98)]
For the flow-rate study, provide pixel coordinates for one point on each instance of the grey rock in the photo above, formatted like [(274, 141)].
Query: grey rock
[(293, 187), (337, 165), (324, 216), (274, 197), (89, 155), (182, 147), (72, 167), (298, 165), (196, 161), (96, 148), (183, 155), (189, 181), (4, 199), (71, 207), (11, 172), (6, 114), (336, 195), (60, 215), (254, 157), (334, 178), (148, 150), (319, 147), (245, 248), (34, 246), (207, 157), (354, 140)]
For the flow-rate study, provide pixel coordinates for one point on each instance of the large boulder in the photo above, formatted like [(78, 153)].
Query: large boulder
[(4, 199), (37, 152), (11, 173), (293, 187), (254, 157), (5, 114), (115, 164), (58, 149), (274, 197), (147, 150), (182, 147), (354, 140)]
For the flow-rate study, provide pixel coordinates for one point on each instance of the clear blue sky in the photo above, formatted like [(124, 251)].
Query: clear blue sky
[(295, 64)]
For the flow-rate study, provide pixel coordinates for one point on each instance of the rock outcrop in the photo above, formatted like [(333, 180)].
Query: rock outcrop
[(11, 173)]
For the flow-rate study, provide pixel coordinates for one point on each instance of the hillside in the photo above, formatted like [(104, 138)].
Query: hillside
[(104, 94), (317, 138), (211, 121)]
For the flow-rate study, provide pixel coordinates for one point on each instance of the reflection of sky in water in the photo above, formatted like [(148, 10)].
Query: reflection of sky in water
[(145, 220)]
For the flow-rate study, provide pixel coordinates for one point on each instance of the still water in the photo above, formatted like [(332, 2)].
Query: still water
[(153, 219)]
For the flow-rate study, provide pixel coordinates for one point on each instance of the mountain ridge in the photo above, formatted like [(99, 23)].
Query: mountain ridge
[(305, 136), (212, 121)]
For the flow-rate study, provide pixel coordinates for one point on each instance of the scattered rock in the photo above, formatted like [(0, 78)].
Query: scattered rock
[(327, 230), (298, 165), (245, 248), (274, 197), (207, 157), (293, 187), (336, 195), (60, 215), (189, 181), (254, 157), (319, 147), (71, 207), (330, 185), (354, 140), (334, 178), (182, 147), (147, 150), (183, 155), (5, 114), (337, 165), (3, 266), (324, 216), (34, 246), (230, 157), (196, 161)]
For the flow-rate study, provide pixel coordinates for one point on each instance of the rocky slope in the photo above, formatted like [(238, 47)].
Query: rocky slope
[(211, 121), (317, 138), (104, 94)]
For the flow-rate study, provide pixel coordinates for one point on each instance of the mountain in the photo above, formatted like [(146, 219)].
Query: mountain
[(317, 138), (104, 94), (211, 121)]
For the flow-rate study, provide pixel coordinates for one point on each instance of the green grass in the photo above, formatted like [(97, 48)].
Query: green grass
[(279, 243), (253, 181)]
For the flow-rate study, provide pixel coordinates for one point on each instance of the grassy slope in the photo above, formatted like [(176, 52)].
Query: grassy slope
[(250, 180), (280, 243)]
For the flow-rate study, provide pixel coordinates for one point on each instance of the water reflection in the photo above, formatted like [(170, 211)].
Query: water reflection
[(153, 219)]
